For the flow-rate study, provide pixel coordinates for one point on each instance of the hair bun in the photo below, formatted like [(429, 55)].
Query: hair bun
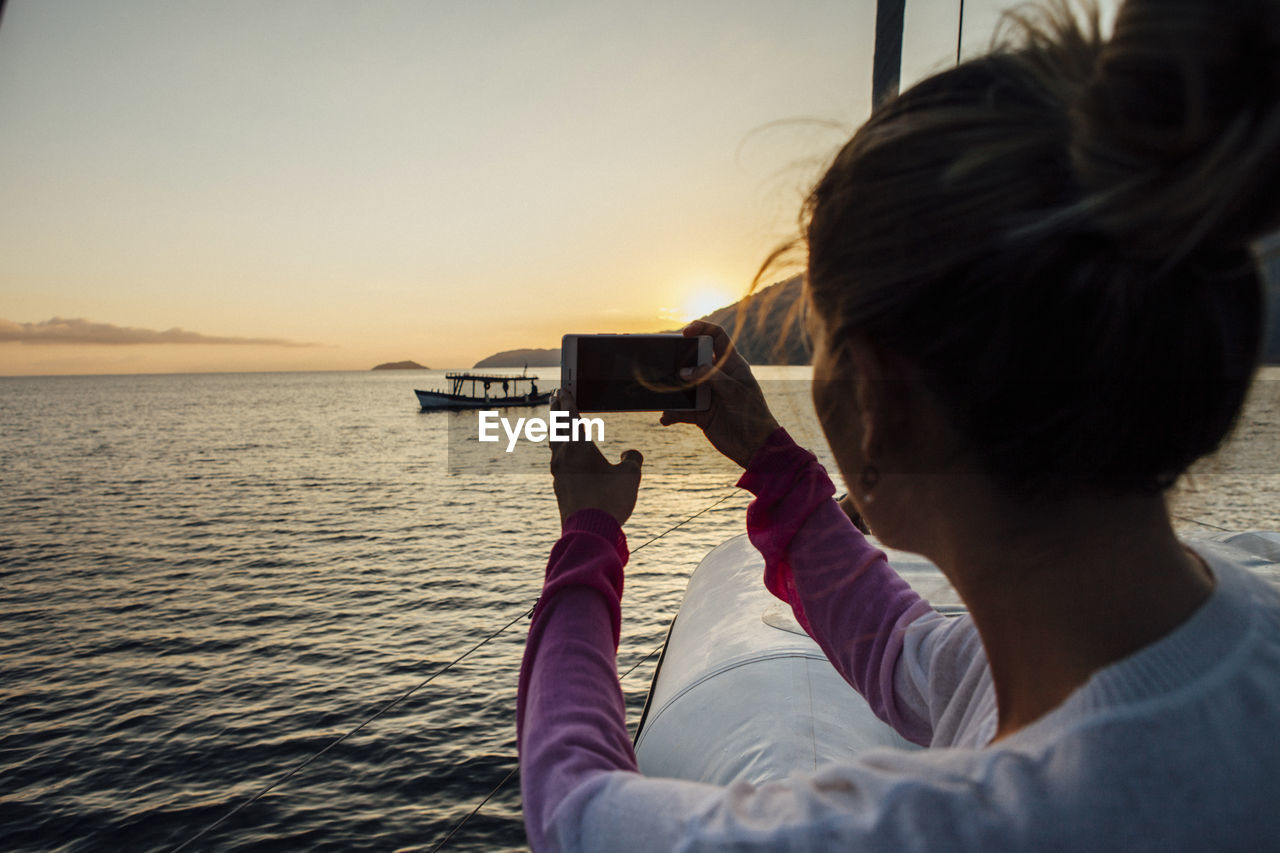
[(1176, 135)]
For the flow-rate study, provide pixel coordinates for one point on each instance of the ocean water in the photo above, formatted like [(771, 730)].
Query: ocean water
[(206, 579)]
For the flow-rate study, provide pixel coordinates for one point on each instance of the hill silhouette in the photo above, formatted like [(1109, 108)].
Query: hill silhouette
[(401, 365), (758, 332), (521, 357), (765, 331)]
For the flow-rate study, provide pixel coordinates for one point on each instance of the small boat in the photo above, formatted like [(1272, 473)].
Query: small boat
[(490, 396)]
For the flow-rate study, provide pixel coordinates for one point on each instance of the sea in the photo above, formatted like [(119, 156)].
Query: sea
[(207, 581)]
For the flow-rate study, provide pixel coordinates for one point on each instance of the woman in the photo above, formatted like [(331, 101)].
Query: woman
[(1034, 305)]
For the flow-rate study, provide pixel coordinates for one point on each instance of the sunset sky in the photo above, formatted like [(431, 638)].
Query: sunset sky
[(315, 184)]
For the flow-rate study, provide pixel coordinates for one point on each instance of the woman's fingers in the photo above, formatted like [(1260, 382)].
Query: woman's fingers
[(628, 468), (720, 340), (576, 457), (583, 478), (739, 420), (579, 454), (725, 355), (562, 400)]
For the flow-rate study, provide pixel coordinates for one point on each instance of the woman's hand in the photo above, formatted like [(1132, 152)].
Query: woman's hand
[(738, 421), (584, 479)]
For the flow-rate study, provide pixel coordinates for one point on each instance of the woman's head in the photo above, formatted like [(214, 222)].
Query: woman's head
[(1056, 238)]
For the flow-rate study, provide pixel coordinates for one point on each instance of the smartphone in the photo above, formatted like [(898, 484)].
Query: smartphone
[(634, 373)]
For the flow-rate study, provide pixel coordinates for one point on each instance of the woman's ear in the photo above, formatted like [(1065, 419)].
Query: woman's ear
[(879, 392)]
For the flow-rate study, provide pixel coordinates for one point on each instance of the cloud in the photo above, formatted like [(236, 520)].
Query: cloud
[(81, 331)]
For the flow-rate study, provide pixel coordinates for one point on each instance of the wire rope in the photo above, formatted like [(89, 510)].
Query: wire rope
[(1203, 523), (457, 827), (387, 707), (403, 696), (502, 784)]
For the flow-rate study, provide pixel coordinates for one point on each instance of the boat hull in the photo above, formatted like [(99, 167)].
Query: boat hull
[(440, 401), (742, 693)]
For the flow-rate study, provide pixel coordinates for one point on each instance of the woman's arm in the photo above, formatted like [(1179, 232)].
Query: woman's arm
[(570, 715), (841, 589)]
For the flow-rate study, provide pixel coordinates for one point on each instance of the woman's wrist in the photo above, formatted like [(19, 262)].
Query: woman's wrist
[(772, 442), (597, 522)]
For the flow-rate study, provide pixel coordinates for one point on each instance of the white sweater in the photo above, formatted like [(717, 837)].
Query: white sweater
[(1174, 748)]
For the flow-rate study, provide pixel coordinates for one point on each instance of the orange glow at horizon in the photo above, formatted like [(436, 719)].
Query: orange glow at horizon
[(705, 298)]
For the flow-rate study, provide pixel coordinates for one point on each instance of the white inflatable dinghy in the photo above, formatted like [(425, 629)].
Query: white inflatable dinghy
[(741, 692)]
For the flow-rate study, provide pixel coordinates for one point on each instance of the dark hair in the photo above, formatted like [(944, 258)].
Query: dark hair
[(1058, 236)]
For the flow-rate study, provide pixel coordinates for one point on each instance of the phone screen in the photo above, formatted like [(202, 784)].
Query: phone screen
[(626, 374)]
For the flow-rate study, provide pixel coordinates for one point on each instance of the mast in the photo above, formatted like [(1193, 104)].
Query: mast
[(886, 68)]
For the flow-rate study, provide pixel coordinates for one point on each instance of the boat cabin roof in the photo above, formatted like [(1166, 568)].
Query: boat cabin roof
[(488, 377)]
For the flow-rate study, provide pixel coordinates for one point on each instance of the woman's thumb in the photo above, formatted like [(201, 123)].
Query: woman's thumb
[(632, 458)]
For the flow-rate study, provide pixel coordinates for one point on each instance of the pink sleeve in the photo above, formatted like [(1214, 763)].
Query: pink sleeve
[(840, 587), (570, 715)]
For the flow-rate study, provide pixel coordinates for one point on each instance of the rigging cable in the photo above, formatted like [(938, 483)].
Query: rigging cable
[(686, 521), (524, 614), (457, 827), (340, 739), (1198, 521)]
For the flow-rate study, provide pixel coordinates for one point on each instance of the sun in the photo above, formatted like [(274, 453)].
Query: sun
[(702, 299)]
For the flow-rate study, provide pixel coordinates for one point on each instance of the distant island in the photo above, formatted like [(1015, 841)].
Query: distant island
[(758, 334), (521, 357), (401, 365)]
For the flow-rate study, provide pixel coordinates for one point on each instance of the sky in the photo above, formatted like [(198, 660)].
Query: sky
[(322, 185)]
